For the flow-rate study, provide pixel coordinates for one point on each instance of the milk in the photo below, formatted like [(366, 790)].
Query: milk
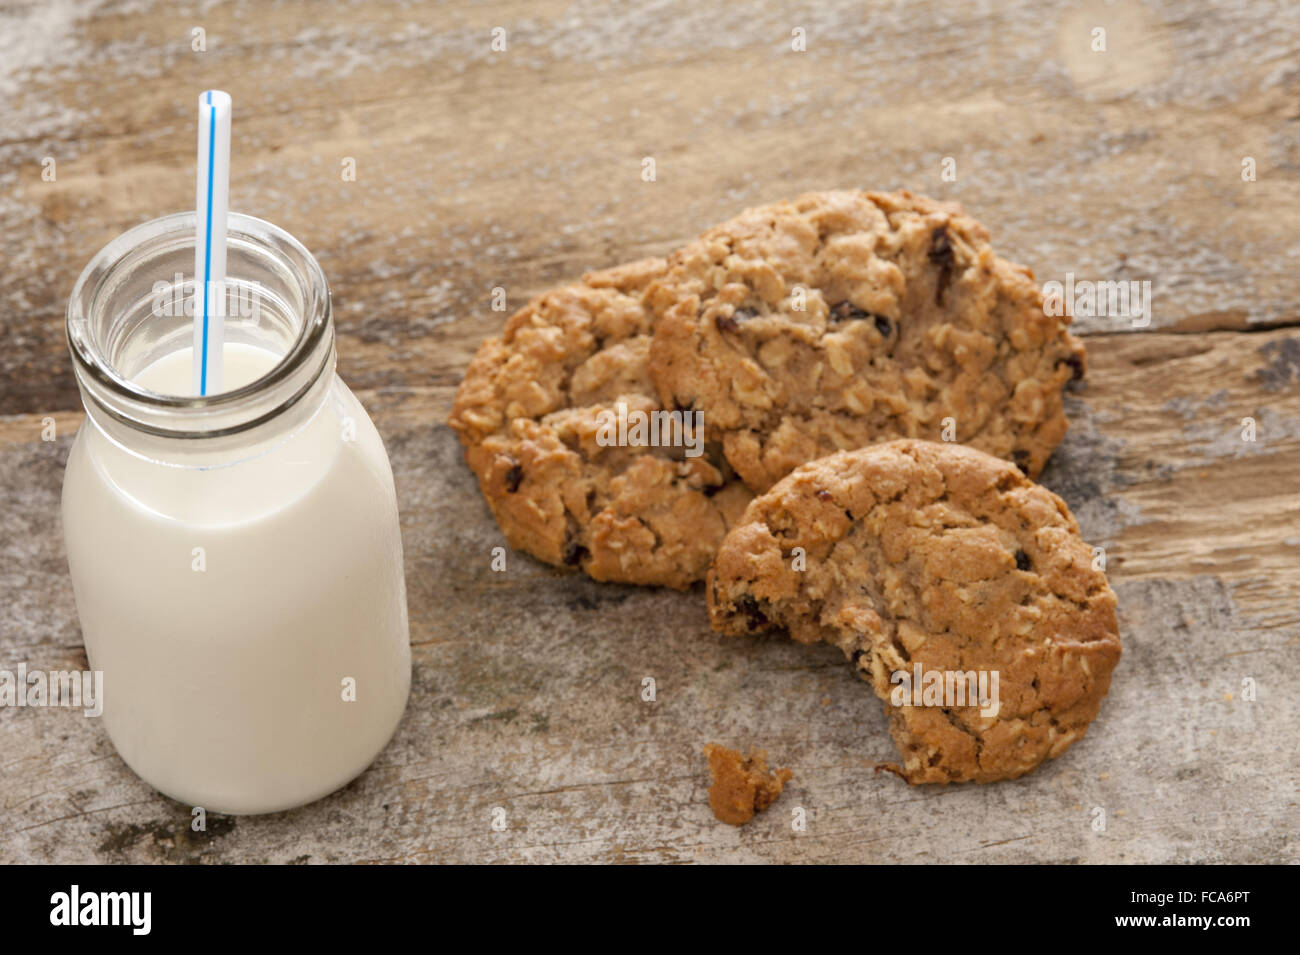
[(249, 617), (173, 373)]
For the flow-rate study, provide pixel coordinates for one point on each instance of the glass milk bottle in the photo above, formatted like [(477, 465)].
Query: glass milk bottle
[(236, 558)]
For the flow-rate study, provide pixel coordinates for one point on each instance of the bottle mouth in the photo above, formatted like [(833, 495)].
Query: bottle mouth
[(133, 303)]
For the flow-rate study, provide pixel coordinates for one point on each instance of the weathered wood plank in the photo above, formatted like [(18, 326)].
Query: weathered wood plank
[(523, 168)]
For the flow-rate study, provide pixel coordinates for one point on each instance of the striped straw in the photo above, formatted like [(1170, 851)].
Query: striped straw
[(212, 199)]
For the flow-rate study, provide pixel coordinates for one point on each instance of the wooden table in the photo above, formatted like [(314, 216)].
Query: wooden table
[(521, 169)]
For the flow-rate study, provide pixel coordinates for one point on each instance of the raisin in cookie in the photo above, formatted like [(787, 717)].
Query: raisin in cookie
[(841, 318), (937, 556), (530, 413)]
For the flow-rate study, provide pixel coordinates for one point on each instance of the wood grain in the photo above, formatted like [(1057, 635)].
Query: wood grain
[(523, 168)]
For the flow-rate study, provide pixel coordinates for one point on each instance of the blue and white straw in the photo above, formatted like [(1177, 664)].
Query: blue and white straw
[(212, 200)]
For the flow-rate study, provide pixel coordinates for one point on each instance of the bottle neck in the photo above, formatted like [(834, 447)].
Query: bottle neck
[(133, 305)]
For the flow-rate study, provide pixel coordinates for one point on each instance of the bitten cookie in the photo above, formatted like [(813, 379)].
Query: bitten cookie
[(919, 558), (838, 319), (537, 414)]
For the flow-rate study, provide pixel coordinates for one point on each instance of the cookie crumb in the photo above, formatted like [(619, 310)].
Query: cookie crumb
[(742, 785)]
